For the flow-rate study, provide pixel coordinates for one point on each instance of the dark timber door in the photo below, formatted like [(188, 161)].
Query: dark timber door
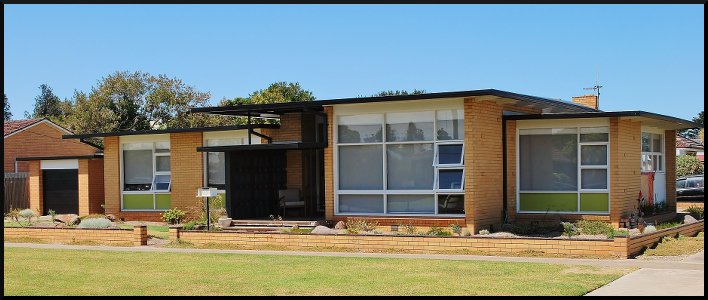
[(61, 191), (253, 179)]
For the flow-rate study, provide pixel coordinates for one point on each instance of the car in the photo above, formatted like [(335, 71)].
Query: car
[(689, 188)]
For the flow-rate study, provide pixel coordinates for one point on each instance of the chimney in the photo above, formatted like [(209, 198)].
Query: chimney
[(587, 100)]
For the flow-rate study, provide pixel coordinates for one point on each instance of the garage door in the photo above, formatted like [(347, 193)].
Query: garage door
[(61, 191)]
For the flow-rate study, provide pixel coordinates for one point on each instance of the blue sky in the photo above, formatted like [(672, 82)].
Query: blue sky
[(648, 57)]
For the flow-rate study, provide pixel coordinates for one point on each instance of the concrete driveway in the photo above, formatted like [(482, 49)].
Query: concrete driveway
[(658, 282)]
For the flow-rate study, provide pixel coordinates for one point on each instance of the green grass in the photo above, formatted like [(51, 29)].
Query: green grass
[(160, 232), (146, 273), (665, 225), (682, 245)]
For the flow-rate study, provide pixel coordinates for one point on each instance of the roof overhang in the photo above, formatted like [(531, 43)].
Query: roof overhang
[(271, 146), (546, 105), (174, 130), (647, 118), (97, 155)]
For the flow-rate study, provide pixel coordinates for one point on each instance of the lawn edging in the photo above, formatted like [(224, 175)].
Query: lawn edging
[(110, 236), (633, 246)]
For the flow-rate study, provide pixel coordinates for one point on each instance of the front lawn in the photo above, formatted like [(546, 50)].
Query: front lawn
[(90, 272)]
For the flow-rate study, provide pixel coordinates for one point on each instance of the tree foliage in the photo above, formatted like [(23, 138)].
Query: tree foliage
[(688, 165), (138, 101), (6, 113), (693, 133), (277, 92), (398, 93), (46, 104)]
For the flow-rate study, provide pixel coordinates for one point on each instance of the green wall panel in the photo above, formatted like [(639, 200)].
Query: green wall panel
[(137, 201), (552, 202), (592, 202), (163, 201)]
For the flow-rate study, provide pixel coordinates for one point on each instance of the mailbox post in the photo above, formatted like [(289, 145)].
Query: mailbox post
[(206, 192)]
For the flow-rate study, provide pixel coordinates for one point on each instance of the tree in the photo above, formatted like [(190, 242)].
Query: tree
[(398, 93), (693, 133), (7, 114), (47, 105), (688, 165), (138, 101), (278, 92)]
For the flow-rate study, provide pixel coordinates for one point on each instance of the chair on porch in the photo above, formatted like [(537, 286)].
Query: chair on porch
[(290, 199)]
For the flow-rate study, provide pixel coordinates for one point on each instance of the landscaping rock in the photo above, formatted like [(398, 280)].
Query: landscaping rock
[(44, 218), (340, 225), (111, 217), (70, 219), (687, 219), (634, 231), (323, 230)]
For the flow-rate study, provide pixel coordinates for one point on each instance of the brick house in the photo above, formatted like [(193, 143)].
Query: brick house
[(64, 175), (475, 158)]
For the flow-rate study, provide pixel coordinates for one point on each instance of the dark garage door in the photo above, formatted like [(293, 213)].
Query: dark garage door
[(61, 191)]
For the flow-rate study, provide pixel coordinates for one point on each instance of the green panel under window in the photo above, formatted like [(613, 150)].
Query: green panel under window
[(137, 201), (592, 202), (552, 202), (163, 201)]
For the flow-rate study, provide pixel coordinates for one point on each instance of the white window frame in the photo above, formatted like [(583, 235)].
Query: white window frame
[(142, 140), (559, 124), (660, 155), (383, 109)]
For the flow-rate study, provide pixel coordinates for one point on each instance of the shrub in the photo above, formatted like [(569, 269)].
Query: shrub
[(408, 229), (531, 228), (13, 214), (466, 232), (438, 231), (27, 214), (695, 211), (688, 165), (483, 232), (189, 225), (456, 228), (595, 228), (173, 216), (95, 223), (569, 229), (53, 214), (358, 225)]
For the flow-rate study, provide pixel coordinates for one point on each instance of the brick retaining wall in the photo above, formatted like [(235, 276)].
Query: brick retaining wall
[(136, 236), (637, 244)]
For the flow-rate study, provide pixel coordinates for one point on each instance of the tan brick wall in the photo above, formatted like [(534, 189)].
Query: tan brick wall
[(483, 164), (111, 174), (122, 237), (329, 165), (35, 186), (186, 168), (511, 170), (84, 194), (625, 167), (41, 140), (412, 244), (670, 168), (638, 244), (587, 100)]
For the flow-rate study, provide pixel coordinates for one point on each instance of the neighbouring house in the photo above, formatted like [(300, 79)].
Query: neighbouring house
[(64, 175), (685, 146), (474, 158)]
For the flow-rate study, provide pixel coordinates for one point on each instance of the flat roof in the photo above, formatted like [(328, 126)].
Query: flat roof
[(97, 155), (656, 119), (553, 105), (172, 130), (271, 146)]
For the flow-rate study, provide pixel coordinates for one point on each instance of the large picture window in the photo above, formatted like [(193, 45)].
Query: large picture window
[(146, 176), (400, 163), (564, 170)]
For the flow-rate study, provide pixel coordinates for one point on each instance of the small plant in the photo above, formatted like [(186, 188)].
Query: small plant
[(52, 214), (408, 229), (14, 214), (95, 223), (466, 232), (595, 228), (190, 225), (569, 229), (27, 214), (438, 231), (483, 232), (173, 216), (665, 225), (456, 228), (695, 211), (619, 232), (358, 225)]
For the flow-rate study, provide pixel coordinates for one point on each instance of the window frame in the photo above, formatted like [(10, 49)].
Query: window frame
[(578, 125), (152, 191), (434, 192), (660, 155)]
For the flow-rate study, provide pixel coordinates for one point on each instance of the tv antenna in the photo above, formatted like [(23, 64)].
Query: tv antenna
[(595, 88)]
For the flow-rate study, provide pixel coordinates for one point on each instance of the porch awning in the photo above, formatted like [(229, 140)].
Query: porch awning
[(270, 146)]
